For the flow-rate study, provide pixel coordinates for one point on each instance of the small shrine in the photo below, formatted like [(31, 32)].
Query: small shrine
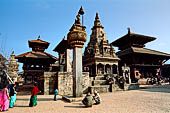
[(3, 78), (65, 58), (13, 68)]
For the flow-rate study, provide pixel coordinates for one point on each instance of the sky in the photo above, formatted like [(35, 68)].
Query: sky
[(23, 20)]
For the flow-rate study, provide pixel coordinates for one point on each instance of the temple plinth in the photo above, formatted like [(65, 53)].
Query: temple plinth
[(76, 39)]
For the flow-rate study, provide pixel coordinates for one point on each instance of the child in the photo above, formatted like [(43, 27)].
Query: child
[(96, 97), (55, 94)]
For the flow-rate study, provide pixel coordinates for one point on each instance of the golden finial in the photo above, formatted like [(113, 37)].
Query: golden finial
[(81, 12), (97, 16), (38, 37), (12, 53), (129, 30)]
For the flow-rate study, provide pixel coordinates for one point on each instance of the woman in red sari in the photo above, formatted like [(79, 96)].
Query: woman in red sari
[(4, 99), (34, 93)]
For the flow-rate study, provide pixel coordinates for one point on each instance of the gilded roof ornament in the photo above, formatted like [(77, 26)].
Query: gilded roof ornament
[(97, 16), (81, 11), (38, 37), (129, 31)]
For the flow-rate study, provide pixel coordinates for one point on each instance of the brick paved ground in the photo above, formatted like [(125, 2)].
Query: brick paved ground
[(150, 100)]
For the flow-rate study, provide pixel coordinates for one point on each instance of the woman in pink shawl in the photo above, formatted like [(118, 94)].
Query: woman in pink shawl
[(4, 99)]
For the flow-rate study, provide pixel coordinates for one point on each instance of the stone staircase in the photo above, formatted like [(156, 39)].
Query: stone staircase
[(99, 84)]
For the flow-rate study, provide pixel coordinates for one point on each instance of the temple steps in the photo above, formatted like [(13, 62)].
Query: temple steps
[(98, 82), (99, 88), (99, 78), (100, 85)]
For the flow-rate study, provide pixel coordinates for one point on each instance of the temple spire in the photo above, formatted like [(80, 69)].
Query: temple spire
[(97, 21), (97, 16)]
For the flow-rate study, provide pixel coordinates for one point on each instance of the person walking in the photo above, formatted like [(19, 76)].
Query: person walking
[(12, 94), (34, 93), (55, 95), (4, 99)]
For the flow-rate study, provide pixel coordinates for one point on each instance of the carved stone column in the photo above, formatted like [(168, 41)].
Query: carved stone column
[(76, 39), (77, 72)]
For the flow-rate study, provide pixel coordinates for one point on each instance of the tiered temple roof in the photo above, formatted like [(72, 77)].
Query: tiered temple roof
[(62, 46), (38, 47), (133, 43), (132, 39)]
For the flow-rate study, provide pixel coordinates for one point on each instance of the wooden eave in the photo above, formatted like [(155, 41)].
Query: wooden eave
[(62, 46), (32, 43), (36, 55), (132, 38), (142, 51)]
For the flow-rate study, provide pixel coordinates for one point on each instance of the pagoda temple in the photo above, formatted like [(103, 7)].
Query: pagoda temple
[(143, 62), (64, 53), (36, 62), (99, 57)]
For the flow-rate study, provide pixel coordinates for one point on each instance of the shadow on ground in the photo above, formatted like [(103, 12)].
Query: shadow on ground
[(21, 106), (156, 88), (75, 106), (38, 99)]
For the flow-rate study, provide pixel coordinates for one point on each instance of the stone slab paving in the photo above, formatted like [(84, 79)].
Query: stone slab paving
[(145, 100)]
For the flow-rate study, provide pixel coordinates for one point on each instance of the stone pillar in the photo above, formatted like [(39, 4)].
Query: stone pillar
[(68, 60), (77, 72), (111, 71), (129, 78), (46, 83), (96, 70), (104, 69), (76, 39)]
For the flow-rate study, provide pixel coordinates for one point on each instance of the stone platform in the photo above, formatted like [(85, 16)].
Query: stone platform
[(72, 99)]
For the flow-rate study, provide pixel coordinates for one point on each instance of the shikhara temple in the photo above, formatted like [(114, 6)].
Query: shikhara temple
[(90, 71), (99, 57)]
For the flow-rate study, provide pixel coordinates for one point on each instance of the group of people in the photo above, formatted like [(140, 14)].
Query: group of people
[(7, 97), (89, 100)]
